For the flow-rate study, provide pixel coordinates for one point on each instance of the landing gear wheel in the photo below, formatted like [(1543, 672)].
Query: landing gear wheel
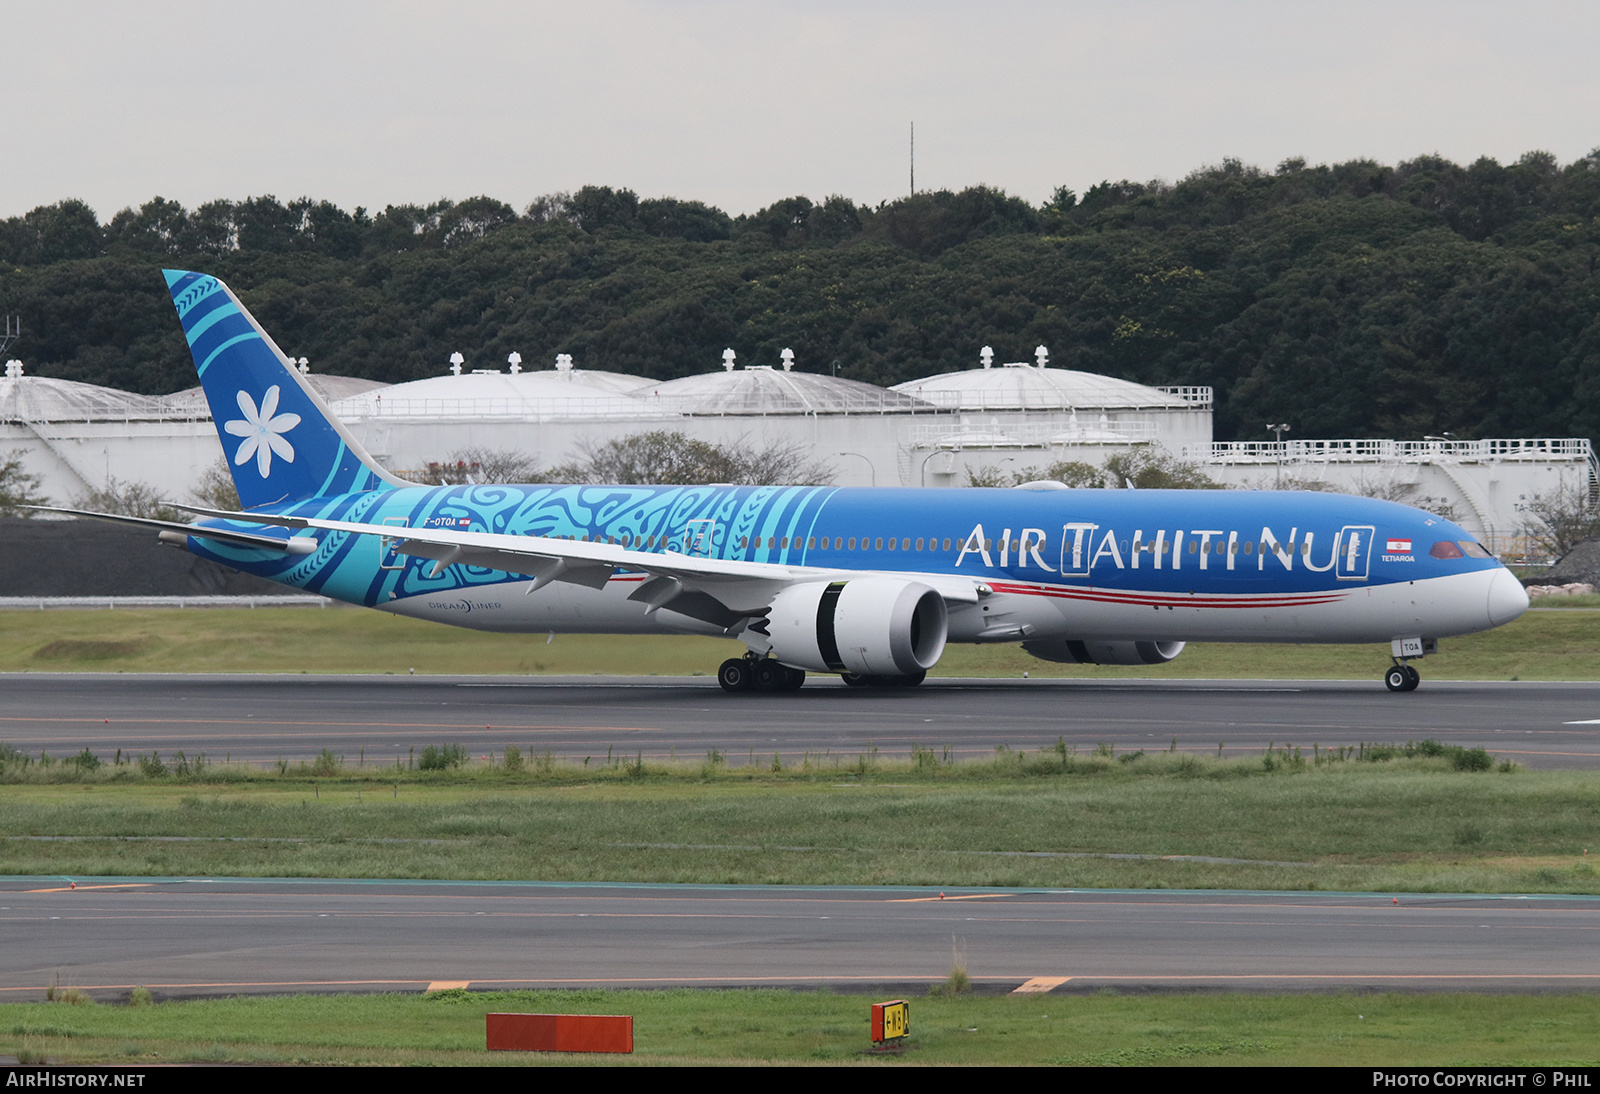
[(768, 675), (1399, 678), (794, 679), (1413, 677), (853, 680), (908, 681), (734, 674)]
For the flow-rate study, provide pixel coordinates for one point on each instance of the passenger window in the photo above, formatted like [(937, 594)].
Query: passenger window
[(1445, 549), (852, 543), (919, 544), (947, 543), (878, 544), (1194, 548)]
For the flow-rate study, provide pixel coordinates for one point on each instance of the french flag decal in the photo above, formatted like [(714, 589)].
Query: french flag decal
[(1399, 547)]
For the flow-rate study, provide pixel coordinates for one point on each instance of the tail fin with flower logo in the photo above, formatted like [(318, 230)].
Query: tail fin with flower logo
[(281, 441)]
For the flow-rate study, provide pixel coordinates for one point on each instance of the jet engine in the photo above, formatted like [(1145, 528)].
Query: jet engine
[(1074, 652), (869, 626)]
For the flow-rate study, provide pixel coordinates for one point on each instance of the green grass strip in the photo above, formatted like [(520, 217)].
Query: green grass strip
[(1052, 819), (748, 1027), (1542, 645)]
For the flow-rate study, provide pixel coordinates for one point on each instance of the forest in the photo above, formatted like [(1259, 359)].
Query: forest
[(1351, 300)]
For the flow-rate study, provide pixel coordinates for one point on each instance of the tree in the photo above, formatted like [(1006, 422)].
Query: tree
[(215, 488), (1559, 519), (695, 221), (929, 224), (17, 487), (597, 207), (483, 465), (128, 499), (1157, 469), (1146, 468), (664, 458), (471, 220)]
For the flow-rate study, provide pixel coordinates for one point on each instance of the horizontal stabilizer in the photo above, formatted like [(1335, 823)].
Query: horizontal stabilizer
[(300, 545)]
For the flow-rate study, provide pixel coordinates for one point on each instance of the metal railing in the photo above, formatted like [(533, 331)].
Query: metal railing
[(1197, 397), (1567, 449), (1030, 435)]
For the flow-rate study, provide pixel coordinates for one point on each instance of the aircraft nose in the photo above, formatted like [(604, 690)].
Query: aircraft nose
[(1507, 598)]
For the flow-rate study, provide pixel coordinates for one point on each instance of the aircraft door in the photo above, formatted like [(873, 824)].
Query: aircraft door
[(391, 558), (1077, 547), (1354, 552), (699, 538)]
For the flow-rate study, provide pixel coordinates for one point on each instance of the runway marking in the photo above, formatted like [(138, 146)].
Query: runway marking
[(880, 977), (274, 722), (1584, 722), (941, 896), (86, 888), (1040, 984), (448, 985)]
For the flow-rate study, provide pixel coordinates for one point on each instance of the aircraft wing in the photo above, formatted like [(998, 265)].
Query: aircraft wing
[(172, 531), (718, 590)]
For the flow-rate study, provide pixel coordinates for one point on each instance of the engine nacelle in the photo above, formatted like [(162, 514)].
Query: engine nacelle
[(870, 626), (1074, 652)]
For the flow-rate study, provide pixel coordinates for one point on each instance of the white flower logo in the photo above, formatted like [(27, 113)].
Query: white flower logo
[(262, 432)]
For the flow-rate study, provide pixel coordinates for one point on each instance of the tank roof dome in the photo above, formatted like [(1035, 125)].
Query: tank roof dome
[(1019, 386), (542, 395), (192, 400), (760, 389), (25, 398)]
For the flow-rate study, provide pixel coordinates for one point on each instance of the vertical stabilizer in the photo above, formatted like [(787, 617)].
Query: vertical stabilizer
[(281, 441)]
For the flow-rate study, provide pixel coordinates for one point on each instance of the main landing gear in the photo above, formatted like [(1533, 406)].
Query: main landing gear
[(752, 673), (1401, 677)]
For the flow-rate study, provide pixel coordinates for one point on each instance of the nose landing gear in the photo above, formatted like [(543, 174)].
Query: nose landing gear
[(1401, 677)]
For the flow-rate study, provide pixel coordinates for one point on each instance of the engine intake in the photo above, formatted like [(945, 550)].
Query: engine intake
[(1074, 652), (870, 626)]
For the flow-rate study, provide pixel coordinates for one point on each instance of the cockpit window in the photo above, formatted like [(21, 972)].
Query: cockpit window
[(1445, 549), (1474, 549)]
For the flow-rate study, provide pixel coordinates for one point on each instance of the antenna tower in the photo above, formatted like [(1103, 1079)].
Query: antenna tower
[(12, 333), (913, 157)]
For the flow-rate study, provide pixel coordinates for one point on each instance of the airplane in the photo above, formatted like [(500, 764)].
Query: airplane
[(867, 584)]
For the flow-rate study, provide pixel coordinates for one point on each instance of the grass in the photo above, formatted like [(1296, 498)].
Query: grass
[(1558, 644), (1050, 818), (748, 1027)]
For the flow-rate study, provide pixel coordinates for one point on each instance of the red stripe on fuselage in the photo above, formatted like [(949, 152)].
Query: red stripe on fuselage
[(1156, 600)]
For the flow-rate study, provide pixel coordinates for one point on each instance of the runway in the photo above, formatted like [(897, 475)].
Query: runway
[(187, 937), (380, 718)]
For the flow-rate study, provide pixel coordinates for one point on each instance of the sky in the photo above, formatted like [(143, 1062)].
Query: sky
[(742, 103)]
